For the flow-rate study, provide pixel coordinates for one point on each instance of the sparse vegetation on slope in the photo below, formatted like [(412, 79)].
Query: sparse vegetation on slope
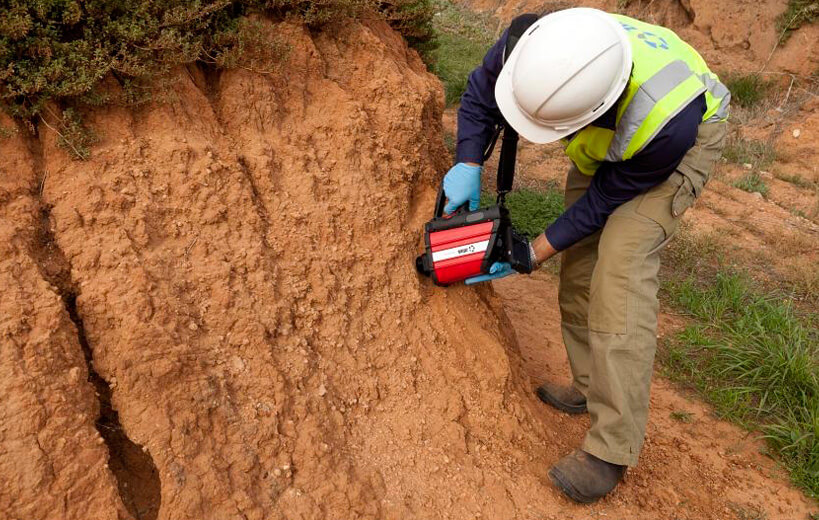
[(747, 90), (798, 13), (757, 360), (752, 182), (751, 346), (759, 154)]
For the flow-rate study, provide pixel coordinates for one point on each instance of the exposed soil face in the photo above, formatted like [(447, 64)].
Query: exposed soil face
[(53, 462)]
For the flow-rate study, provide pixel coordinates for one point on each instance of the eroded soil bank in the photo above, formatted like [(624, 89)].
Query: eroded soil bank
[(226, 286)]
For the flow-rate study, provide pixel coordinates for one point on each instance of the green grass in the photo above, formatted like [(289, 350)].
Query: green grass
[(798, 12), (752, 182), (682, 416), (747, 90), (798, 180), (756, 360), (759, 154), (531, 210), (462, 37)]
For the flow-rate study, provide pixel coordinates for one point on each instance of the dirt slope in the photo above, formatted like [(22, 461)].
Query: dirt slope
[(216, 316), (53, 463)]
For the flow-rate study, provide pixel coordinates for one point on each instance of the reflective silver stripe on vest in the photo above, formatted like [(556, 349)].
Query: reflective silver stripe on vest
[(656, 88), (718, 90)]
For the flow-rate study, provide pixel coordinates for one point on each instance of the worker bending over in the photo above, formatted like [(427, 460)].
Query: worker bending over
[(643, 120)]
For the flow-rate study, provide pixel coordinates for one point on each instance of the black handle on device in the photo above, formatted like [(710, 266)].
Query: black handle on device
[(506, 167), (440, 202)]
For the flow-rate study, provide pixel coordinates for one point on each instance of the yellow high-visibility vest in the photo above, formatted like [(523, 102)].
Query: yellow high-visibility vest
[(667, 75)]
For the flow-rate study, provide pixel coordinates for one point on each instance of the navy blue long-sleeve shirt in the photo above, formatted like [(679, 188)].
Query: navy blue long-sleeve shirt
[(612, 185)]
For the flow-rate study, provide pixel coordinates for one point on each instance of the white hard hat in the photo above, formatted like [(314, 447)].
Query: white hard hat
[(567, 69)]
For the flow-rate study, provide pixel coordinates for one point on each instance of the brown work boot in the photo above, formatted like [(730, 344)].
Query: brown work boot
[(584, 478), (566, 398)]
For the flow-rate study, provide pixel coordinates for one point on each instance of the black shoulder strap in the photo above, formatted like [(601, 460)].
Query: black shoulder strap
[(509, 145), (506, 161)]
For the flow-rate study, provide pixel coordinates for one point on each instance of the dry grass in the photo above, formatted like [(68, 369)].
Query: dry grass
[(790, 243)]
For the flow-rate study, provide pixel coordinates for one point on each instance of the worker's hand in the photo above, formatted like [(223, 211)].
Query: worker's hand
[(497, 270), (462, 183)]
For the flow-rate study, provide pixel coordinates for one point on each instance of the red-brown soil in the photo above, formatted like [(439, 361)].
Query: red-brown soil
[(53, 463), (238, 264)]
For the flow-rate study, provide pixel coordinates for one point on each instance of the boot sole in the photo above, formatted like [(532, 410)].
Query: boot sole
[(549, 399), (567, 489)]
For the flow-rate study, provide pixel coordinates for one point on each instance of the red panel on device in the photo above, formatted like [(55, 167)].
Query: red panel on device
[(462, 266), (459, 268), (444, 239), (463, 242)]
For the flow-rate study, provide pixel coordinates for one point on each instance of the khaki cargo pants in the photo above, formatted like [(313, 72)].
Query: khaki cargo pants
[(608, 300)]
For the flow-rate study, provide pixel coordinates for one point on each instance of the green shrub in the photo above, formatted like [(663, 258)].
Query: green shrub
[(798, 12), (72, 135), (747, 90), (61, 49), (413, 19), (752, 183)]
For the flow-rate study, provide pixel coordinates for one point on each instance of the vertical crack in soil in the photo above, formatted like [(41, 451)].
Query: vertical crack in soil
[(255, 196), (254, 190), (134, 470)]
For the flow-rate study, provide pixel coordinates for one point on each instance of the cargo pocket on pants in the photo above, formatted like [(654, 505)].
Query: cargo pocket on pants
[(685, 197), (658, 204), (668, 202)]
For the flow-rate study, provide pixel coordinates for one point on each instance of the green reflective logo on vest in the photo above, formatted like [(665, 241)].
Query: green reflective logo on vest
[(654, 41)]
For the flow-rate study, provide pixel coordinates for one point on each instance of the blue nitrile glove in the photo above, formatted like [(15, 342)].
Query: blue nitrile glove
[(498, 270), (462, 183)]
